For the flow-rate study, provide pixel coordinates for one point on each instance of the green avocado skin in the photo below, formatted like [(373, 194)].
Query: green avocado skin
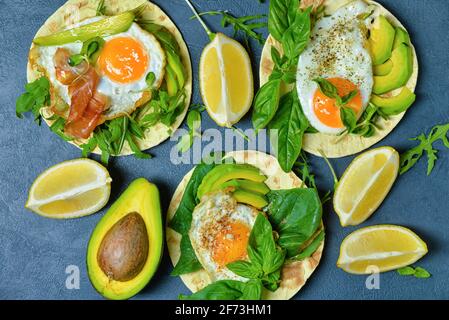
[(141, 197)]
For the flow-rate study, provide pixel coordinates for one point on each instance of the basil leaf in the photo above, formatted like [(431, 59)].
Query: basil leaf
[(327, 88), (272, 280), (290, 123), (347, 98), (296, 37), (296, 215), (188, 262), (245, 269), (228, 290), (348, 117), (277, 22), (266, 103)]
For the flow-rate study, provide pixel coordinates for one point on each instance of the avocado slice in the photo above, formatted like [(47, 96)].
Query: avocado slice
[(399, 74), (125, 247), (258, 187), (381, 40), (225, 172), (256, 200), (395, 105), (401, 36)]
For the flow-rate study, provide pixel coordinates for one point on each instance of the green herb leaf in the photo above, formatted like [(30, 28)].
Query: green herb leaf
[(311, 248), (411, 157), (266, 103), (417, 272), (245, 269), (421, 273), (290, 124), (327, 88), (188, 262), (406, 271), (36, 96), (277, 22), (246, 24), (295, 215), (101, 8), (76, 59), (348, 117), (228, 290), (296, 37), (347, 98), (150, 78)]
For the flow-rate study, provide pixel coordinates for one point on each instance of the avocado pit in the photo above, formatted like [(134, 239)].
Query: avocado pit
[(124, 249)]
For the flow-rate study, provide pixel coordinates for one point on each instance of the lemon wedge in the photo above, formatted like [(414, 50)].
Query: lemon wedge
[(226, 80), (70, 189), (386, 247), (365, 184)]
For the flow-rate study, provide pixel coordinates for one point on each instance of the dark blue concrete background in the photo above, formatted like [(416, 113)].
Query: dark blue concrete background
[(35, 251)]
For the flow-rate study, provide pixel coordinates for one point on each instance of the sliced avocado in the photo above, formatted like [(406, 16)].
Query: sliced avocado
[(256, 200), (248, 185), (225, 172), (381, 40), (383, 69), (400, 73), (394, 105), (125, 247), (401, 36)]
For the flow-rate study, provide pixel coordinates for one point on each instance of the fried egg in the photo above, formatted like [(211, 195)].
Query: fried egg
[(337, 52), (219, 233), (123, 64)]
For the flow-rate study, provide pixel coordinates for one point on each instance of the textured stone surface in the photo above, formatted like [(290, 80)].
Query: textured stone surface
[(35, 251)]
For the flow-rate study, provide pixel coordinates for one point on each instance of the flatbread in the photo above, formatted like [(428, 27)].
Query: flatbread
[(74, 11), (294, 275), (331, 145)]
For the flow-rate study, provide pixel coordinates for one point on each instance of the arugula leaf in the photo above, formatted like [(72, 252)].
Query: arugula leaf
[(302, 167), (36, 96), (101, 8), (228, 290), (246, 24), (194, 124), (366, 126), (266, 103), (58, 127), (295, 215), (411, 157), (291, 124), (265, 257), (417, 272)]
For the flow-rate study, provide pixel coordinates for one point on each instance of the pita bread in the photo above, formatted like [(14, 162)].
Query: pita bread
[(294, 275), (74, 11), (331, 145)]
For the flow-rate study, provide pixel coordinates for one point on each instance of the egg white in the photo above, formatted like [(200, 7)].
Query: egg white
[(206, 217), (122, 97), (337, 49)]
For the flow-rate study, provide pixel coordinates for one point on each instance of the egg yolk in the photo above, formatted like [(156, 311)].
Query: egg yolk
[(230, 243), (123, 60), (325, 108)]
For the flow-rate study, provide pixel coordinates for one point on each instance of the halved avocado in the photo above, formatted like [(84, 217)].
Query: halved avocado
[(401, 36), (258, 187), (381, 40), (125, 248), (225, 172), (256, 200), (396, 104), (400, 73)]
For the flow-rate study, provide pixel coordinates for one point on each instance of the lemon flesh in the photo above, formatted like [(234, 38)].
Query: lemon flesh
[(365, 184), (381, 248), (70, 189), (226, 80)]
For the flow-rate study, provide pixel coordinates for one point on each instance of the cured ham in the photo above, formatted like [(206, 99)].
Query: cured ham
[(86, 104)]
